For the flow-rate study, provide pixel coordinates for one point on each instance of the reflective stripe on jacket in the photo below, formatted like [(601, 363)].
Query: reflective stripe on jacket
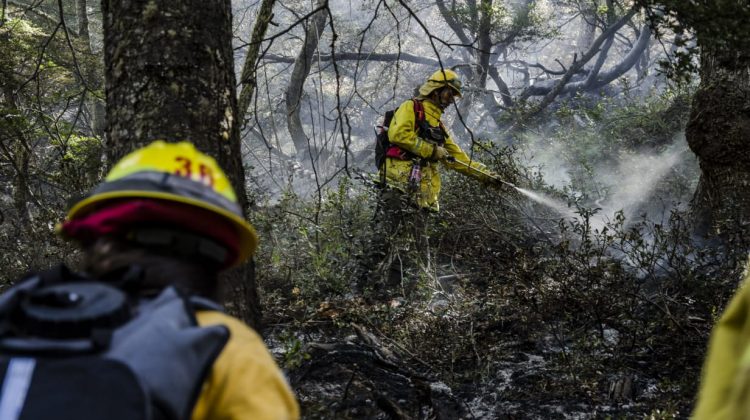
[(245, 382), (402, 133)]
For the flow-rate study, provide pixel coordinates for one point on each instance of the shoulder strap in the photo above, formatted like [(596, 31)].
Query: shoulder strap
[(419, 114), (164, 342), (418, 111), (420, 123)]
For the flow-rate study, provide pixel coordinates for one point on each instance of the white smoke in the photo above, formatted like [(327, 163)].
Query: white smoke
[(628, 186), (634, 181)]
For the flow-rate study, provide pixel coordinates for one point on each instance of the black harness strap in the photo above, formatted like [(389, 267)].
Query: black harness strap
[(437, 135)]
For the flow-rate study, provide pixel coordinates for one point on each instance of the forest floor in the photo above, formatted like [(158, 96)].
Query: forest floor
[(390, 358)]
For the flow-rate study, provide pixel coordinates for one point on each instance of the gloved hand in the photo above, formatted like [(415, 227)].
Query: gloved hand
[(439, 153)]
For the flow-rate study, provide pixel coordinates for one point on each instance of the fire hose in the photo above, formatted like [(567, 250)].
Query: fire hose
[(479, 171)]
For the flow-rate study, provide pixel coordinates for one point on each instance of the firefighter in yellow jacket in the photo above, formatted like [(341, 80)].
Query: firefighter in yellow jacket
[(170, 211), (419, 143), (410, 179), (725, 385)]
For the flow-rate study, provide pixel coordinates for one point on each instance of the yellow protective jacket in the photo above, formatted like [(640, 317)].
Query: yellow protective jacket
[(244, 382), (725, 384), (402, 133)]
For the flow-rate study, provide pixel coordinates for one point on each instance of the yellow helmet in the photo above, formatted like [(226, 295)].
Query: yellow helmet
[(439, 79), (175, 172)]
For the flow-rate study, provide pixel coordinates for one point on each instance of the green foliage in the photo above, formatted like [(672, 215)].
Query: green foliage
[(719, 27), (48, 153), (309, 246), (523, 23), (80, 162), (20, 37), (294, 353), (31, 53), (626, 279), (539, 22)]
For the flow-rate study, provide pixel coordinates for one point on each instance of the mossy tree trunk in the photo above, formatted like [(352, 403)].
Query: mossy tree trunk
[(169, 71), (718, 132), (248, 78)]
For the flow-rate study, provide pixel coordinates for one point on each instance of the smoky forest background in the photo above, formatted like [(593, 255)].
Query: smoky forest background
[(586, 287)]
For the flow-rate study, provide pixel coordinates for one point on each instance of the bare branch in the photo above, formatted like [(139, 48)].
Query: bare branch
[(504, 91), (364, 56), (452, 22), (78, 72), (575, 66)]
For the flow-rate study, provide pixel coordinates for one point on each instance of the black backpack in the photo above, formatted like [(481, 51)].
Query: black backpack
[(381, 139), (435, 134), (73, 348)]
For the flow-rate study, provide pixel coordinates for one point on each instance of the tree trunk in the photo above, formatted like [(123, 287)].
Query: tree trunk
[(248, 79), (482, 59), (93, 72), (718, 132), (21, 195), (170, 75), (82, 19), (296, 83)]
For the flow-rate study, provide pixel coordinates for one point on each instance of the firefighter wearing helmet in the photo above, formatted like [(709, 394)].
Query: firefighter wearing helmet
[(418, 140), (418, 146), (170, 211)]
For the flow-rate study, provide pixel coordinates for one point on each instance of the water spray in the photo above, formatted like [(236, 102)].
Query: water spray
[(539, 198)]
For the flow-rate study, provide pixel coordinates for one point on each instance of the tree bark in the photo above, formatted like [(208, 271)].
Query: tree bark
[(718, 133), (170, 75)]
